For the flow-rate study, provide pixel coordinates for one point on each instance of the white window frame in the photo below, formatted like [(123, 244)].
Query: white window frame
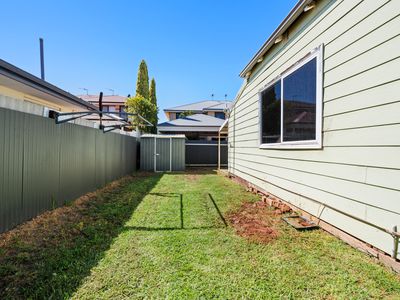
[(306, 144)]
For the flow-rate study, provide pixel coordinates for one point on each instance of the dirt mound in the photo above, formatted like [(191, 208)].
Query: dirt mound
[(255, 221)]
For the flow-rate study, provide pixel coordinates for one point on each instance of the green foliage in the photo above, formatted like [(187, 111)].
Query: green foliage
[(153, 96), (145, 101), (153, 99), (142, 83), (143, 107), (186, 113)]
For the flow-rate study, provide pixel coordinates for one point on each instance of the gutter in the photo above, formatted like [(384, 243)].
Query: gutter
[(17, 74), (296, 11)]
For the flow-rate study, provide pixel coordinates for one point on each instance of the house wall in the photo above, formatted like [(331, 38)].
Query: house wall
[(18, 101), (172, 115), (13, 99), (358, 169)]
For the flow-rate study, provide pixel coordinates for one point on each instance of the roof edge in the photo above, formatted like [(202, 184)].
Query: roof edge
[(296, 11), (14, 73)]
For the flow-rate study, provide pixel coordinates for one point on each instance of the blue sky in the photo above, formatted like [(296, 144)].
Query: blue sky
[(192, 48)]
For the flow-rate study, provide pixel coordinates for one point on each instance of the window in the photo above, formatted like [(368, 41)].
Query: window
[(178, 115), (271, 114), (220, 115), (122, 111), (291, 107)]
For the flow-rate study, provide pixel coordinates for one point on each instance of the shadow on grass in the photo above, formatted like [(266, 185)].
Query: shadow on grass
[(49, 256), (182, 227)]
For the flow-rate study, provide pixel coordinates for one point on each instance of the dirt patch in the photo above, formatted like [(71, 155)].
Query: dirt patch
[(60, 223), (193, 177), (255, 221), (23, 248)]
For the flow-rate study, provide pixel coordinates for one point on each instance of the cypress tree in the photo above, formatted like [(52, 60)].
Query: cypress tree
[(153, 100), (153, 97), (142, 84)]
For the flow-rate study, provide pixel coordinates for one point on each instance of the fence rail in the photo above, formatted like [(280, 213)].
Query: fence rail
[(44, 165)]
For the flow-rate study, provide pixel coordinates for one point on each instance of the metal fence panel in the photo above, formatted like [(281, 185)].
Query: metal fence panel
[(11, 160), (40, 165), (178, 154), (203, 153), (44, 165)]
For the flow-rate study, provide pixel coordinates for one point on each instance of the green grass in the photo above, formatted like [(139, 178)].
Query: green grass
[(162, 237)]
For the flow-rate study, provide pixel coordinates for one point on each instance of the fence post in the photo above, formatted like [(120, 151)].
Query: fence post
[(219, 150)]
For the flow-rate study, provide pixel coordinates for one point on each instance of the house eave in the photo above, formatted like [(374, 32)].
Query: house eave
[(14, 73), (296, 11)]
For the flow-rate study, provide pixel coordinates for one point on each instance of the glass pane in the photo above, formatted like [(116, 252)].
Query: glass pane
[(271, 114), (299, 103), (220, 115)]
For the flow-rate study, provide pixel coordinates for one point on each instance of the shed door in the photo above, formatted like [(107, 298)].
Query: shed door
[(163, 154)]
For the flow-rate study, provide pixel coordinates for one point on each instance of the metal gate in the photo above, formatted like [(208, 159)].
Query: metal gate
[(162, 153)]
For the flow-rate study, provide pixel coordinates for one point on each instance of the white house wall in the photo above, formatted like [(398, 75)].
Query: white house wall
[(358, 169)]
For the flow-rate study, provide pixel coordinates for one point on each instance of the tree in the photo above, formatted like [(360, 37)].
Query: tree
[(186, 113), (142, 84), (153, 97), (143, 107), (145, 101), (153, 100)]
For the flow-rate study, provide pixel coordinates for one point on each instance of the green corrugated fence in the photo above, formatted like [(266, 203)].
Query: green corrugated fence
[(44, 165)]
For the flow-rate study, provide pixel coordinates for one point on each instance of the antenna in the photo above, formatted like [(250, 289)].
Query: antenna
[(212, 96), (41, 59), (111, 91), (86, 90)]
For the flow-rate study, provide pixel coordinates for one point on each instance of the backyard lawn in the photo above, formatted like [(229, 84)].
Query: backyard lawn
[(171, 236)]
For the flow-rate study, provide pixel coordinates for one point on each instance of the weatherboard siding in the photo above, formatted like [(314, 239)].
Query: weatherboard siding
[(358, 169)]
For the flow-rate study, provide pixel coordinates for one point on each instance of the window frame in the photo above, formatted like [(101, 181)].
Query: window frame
[(304, 144)]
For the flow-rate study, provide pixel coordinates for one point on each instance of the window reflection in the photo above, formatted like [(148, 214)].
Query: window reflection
[(299, 104), (271, 114)]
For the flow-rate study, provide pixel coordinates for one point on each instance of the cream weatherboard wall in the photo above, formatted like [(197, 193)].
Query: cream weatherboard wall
[(358, 169)]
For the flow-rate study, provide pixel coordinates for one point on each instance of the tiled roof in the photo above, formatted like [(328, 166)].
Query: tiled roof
[(106, 98), (194, 120), (202, 106)]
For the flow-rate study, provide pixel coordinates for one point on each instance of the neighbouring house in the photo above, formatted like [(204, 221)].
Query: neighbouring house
[(111, 103), (194, 127), (316, 122), (22, 91), (197, 121), (200, 122), (214, 108)]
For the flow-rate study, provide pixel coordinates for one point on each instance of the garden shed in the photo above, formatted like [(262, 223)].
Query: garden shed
[(162, 153)]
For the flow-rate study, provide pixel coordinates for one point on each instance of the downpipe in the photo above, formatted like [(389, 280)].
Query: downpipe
[(396, 236)]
